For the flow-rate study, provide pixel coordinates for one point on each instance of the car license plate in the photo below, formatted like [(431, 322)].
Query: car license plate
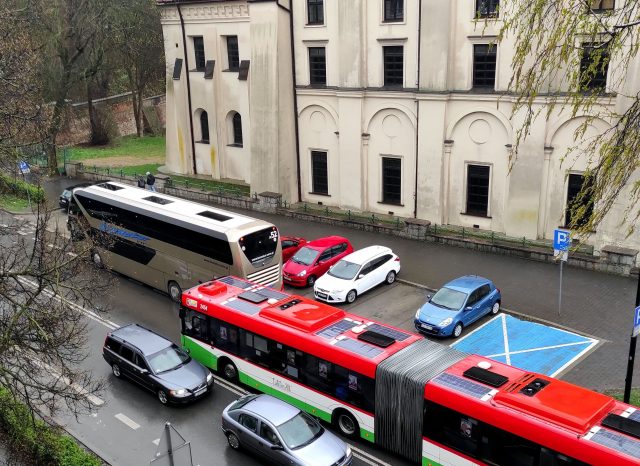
[(426, 327), (201, 391), (322, 295)]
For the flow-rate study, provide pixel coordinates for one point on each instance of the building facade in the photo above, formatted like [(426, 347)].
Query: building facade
[(401, 109)]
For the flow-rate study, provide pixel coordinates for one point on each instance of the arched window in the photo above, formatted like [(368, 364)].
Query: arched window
[(237, 129), (204, 127)]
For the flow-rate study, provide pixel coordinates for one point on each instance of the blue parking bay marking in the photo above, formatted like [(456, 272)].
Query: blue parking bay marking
[(528, 345)]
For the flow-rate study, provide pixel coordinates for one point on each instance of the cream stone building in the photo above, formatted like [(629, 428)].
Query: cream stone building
[(394, 107)]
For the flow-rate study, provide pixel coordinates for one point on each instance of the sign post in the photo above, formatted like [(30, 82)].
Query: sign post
[(23, 166), (632, 347), (561, 243)]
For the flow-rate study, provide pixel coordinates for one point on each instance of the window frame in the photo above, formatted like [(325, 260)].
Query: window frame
[(569, 202), (200, 57), (317, 66), (472, 212), (602, 10), (236, 130), (318, 7), (204, 125), (314, 186), (493, 9), (396, 15), (598, 81), (389, 66), (233, 53), (385, 199), (478, 82)]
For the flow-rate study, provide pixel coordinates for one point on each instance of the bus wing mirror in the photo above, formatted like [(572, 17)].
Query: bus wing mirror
[(181, 313)]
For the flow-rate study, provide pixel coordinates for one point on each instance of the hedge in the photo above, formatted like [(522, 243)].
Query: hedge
[(45, 445), (21, 188)]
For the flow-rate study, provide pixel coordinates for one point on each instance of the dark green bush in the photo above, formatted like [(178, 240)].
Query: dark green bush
[(20, 188), (44, 444)]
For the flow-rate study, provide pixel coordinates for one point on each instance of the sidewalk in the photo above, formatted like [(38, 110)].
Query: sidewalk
[(596, 304)]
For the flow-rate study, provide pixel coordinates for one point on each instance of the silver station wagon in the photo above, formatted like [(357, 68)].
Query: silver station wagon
[(281, 433)]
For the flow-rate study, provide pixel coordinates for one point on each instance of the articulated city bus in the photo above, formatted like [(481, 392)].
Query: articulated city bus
[(423, 400), (171, 243)]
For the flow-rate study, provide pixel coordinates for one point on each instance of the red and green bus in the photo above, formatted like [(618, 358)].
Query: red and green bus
[(420, 399)]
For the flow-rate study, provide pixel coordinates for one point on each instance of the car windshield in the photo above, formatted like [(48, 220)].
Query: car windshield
[(66, 193), (345, 270), (449, 299), (300, 430), (305, 256), (242, 401), (167, 359)]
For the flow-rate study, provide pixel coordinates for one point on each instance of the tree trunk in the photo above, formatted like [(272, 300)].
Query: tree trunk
[(52, 133), (92, 114)]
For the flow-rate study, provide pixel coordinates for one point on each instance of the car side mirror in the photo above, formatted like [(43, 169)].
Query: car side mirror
[(277, 447), (468, 308), (428, 297), (144, 371), (360, 276)]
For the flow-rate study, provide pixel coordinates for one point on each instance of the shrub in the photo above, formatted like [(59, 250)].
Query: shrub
[(21, 188)]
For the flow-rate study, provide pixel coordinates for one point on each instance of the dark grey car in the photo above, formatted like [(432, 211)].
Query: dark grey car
[(157, 364), (281, 434)]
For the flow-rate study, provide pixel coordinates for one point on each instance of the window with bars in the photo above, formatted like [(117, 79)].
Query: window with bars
[(487, 8), (204, 127), (319, 172), (594, 65), (598, 6), (484, 65), (233, 56), (315, 11), (237, 129), (198, 48), (391, 180), (582, 206), (393, 10), (393, 65), (478, 190), (317, 66)]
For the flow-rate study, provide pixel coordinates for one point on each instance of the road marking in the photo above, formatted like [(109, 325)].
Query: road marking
[(127, 421), (77, 388), (366, 457), (540, 348), (506, 340), (229, 386), (156, 442)]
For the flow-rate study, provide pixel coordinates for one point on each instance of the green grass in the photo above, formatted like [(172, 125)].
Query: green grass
[(131, 146), (210, 185), (132, 170), (634, 399), (13, 203)]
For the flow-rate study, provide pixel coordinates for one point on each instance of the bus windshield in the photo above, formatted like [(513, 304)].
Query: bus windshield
[(167, 359), (261, 245), (300, 430)]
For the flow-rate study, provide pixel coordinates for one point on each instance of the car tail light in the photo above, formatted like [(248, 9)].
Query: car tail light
[(397, 259)]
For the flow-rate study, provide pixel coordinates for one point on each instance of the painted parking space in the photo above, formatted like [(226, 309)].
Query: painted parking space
[(529, 345)]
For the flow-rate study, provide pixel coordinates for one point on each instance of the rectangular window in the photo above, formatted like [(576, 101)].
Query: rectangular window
[(478, 190), (198, 48), (319, 173), (315, 12), (487, 8), (233, 55), (317, 66), (391, 180), (484, 65), (393, 10), (581, 206), (393, 65), (594, 65), (598, 6)]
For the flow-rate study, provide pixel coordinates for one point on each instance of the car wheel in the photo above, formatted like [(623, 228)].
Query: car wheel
[(495, 308), (175, 292), (230, 372), (311, 280), (116, 370), (457, 330), (391, 277), (351, 296), (97, 259), (162, 396), (346, 424), (233, 440)]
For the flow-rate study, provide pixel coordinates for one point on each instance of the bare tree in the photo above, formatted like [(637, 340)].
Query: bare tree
[(563, 48)]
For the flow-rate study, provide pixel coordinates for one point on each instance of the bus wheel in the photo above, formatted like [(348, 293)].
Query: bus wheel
[(229, 371), (175, 292), (346, 423), (97, 259)]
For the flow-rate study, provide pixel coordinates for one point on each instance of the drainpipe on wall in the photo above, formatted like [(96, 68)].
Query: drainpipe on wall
[(295, 98), (186, 69), (415, 192)]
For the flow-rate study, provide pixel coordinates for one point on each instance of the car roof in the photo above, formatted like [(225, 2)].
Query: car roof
[(322, 243), (79, 185), (273, 409), (295, 238), (467, 283), (363, 255), (142, 338)]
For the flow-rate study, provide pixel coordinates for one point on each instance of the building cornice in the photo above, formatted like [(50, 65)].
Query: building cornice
[(205, 12)]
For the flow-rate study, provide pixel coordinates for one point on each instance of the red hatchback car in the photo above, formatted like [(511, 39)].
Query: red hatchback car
[(313, 259), (290, 245)]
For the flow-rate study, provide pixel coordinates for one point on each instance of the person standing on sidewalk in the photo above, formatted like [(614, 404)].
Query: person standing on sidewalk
[(151, 182)]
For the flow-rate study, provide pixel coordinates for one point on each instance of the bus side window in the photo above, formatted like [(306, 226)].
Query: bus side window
[(317, 374)]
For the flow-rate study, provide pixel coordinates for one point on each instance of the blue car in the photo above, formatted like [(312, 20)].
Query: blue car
[(457, 305)]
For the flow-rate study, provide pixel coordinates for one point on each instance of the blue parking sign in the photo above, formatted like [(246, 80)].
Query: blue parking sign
[(24, 167), (636, 322), (561, 240)]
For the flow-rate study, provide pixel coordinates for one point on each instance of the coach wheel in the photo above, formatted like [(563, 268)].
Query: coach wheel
[(162, 396), (229, 371), (391, 277), (233, 441), (346, 423), (116, 370), (351, 296), (311, 280), (97, 259), (175, 292), (495, 308), (457, 330)]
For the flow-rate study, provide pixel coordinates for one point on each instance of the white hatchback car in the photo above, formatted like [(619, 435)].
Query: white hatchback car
[(357, 273)]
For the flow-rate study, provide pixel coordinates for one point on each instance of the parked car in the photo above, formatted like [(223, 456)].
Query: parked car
[(313, 259), (357, 273), (457, 305), (290, 245), (64, 198), (281, 434), (157, 364)]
